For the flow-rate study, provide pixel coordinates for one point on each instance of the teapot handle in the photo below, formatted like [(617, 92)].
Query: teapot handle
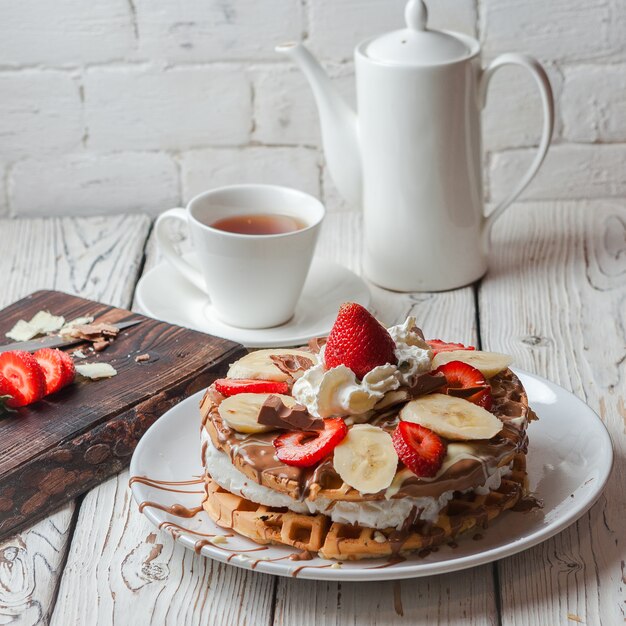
[(547, 103)]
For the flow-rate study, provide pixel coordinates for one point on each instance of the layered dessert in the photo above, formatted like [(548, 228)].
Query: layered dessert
[(372, 442)]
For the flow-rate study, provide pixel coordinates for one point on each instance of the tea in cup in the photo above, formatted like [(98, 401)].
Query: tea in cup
[(254, 244)]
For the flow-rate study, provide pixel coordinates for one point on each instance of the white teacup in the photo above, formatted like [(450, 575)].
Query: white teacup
[(253, 281)]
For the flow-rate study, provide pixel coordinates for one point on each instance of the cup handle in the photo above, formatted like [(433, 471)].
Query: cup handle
[(169, 251), (547, 103)]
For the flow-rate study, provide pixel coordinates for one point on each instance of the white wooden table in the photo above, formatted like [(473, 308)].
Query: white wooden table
[(555, 298)]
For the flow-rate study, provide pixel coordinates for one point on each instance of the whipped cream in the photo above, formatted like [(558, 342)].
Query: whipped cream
[(388, 513), (337, 392)]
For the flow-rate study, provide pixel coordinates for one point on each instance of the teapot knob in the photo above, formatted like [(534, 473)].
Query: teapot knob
[(416, 14)]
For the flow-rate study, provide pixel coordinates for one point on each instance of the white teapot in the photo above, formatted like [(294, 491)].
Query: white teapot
[(413, 156)]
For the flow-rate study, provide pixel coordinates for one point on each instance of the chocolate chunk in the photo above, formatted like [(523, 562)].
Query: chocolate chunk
[(316, 344), (276, 414), (418, 332), (427, 383), (291, 363)]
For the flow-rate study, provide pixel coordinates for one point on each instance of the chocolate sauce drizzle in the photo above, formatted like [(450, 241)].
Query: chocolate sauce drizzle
[(165, 485), (175, 509)]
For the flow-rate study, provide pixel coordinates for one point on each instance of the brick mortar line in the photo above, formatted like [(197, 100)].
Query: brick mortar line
[(252, 64)]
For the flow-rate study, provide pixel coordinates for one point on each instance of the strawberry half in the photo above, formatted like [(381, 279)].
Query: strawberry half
[(25, 374), (437, 346), (233, 386), (419, 448), (467, 382), (10, 397), (358, 341), (56, 369), (304, 449)]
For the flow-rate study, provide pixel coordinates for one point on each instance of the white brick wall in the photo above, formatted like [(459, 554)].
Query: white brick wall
[(116, 105), (40, 112), (294, 167), (65, 32), (137, 108)]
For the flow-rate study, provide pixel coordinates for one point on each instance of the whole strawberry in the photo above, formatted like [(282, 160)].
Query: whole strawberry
[(358, 341)]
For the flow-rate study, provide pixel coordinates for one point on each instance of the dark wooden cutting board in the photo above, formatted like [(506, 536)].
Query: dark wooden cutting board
[(61, 446)]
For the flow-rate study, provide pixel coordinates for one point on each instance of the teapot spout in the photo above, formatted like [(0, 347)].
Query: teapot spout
[(338, 122)]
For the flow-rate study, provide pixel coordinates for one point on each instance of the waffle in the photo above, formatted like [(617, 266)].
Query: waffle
[(510, 401), (332, 540)]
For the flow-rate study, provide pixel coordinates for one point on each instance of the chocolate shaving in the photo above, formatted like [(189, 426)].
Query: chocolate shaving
[(92, 332), (276, 414), (100, 334), (291, 363), (316, 344), (427, 383), (418, 331)]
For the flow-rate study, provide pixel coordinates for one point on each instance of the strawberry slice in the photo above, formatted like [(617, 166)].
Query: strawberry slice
[(467, 382), (55, 367), (419, 448), (10, 397), (358, 341), (25, 374), (461, 375), (304, 449), (70, 369), (233, 386), (437, 346)]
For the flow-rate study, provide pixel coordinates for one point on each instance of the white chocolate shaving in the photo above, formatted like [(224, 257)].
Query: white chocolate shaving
[(79, 321), (22, 331), (218, 539), (42, 322), (96, 370)]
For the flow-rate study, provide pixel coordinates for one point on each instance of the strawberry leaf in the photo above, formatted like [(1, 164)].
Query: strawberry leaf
[(3, 404)]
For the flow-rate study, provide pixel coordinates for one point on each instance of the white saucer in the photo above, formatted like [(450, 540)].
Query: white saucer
[(164, 294), (569, 461)]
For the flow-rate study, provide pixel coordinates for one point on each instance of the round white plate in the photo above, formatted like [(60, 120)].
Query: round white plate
[(164, 294), (569, 461)]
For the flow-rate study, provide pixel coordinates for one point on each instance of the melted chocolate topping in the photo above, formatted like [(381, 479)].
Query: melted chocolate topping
[(291, 363), (427, 383), (465, 469), (276, 414)]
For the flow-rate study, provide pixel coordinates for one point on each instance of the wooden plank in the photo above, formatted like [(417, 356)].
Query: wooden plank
[(76, 255), (111, 534), (120, 569), (555, 300)]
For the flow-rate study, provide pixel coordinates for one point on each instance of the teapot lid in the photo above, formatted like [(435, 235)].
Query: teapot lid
[(416, 44)]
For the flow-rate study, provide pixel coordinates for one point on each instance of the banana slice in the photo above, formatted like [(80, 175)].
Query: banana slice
[(259, 366), (366, 459), (452, 418), (489, 363), (241, 411)]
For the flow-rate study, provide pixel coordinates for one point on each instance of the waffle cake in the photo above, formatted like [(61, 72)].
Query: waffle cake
[(397, 445)]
